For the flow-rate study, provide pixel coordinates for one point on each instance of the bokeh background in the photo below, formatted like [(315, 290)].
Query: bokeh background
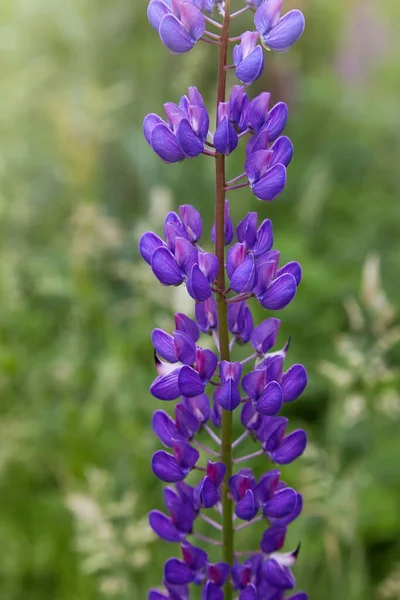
[(79, 184)]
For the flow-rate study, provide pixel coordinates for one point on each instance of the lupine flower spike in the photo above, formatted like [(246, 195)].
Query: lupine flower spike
[(203, 389)]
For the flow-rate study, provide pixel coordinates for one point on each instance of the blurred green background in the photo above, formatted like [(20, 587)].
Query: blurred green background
[(78, 184)]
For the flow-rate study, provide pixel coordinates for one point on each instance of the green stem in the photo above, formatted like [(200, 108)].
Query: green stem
[(226, 445)]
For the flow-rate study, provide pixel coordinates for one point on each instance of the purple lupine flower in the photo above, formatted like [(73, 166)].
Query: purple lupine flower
[(184, 367), (274, 290), (278, 33), (185, 131), (229, 396), (181, 378), (240, 322), (239, 104), (180, 24), (248, 58), (225, 137)]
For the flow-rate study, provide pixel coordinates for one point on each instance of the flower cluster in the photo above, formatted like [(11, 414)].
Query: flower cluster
[(209, 385), (184, 370), (185, 134)]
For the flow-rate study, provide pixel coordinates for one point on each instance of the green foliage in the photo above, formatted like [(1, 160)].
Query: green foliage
[(78, 185)]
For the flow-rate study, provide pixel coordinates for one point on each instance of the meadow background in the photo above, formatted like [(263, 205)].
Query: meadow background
[(78, 184)]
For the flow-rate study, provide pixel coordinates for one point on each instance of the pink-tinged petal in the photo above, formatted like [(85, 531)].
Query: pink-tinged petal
[(166, 387), (263, 337), (188, 141), (294, 268), (247, 508), (282, 151), (194, 557), (185, 421), (184, 347), (192, 20), (254, 383), (186, 254), (174, 115), (192, 221), (235, 257), (266, 268), (247, 229), (173, 228), (185, 455), (208, 264), (278, 576), (189, 382), (165, 267), (250, 418), (206, 314), (156, 10), (164, 527), (148, 244), (270, 402), (198, 285), (218, 572), (271, 184), (150, 121), (166, 468), (280, 293), (273, 539), (291, 448), (265, 239), (257, 112), (294, 382), (258, 141), (267, 16), (195, 97), (206, 363), (164, 144), (240, 483), (199, 120), (216, 472), (287, 31), (274, 366), (163, 344), (174, 35), (187, 325), (230, 370), (257, 166), (243, 278), (267, 486), (272, 431), (252, 67), (164, 428), (281, 504), (177, 572)]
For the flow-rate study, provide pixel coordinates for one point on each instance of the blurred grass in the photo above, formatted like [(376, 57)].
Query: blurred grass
[(78, 184)]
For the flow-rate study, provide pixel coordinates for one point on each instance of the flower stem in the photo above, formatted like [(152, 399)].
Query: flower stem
[(226, 441)]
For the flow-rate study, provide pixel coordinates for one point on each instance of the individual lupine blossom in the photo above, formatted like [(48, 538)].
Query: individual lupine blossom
[(248, 57), (185, 131), (180, 23), (197, 385)]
